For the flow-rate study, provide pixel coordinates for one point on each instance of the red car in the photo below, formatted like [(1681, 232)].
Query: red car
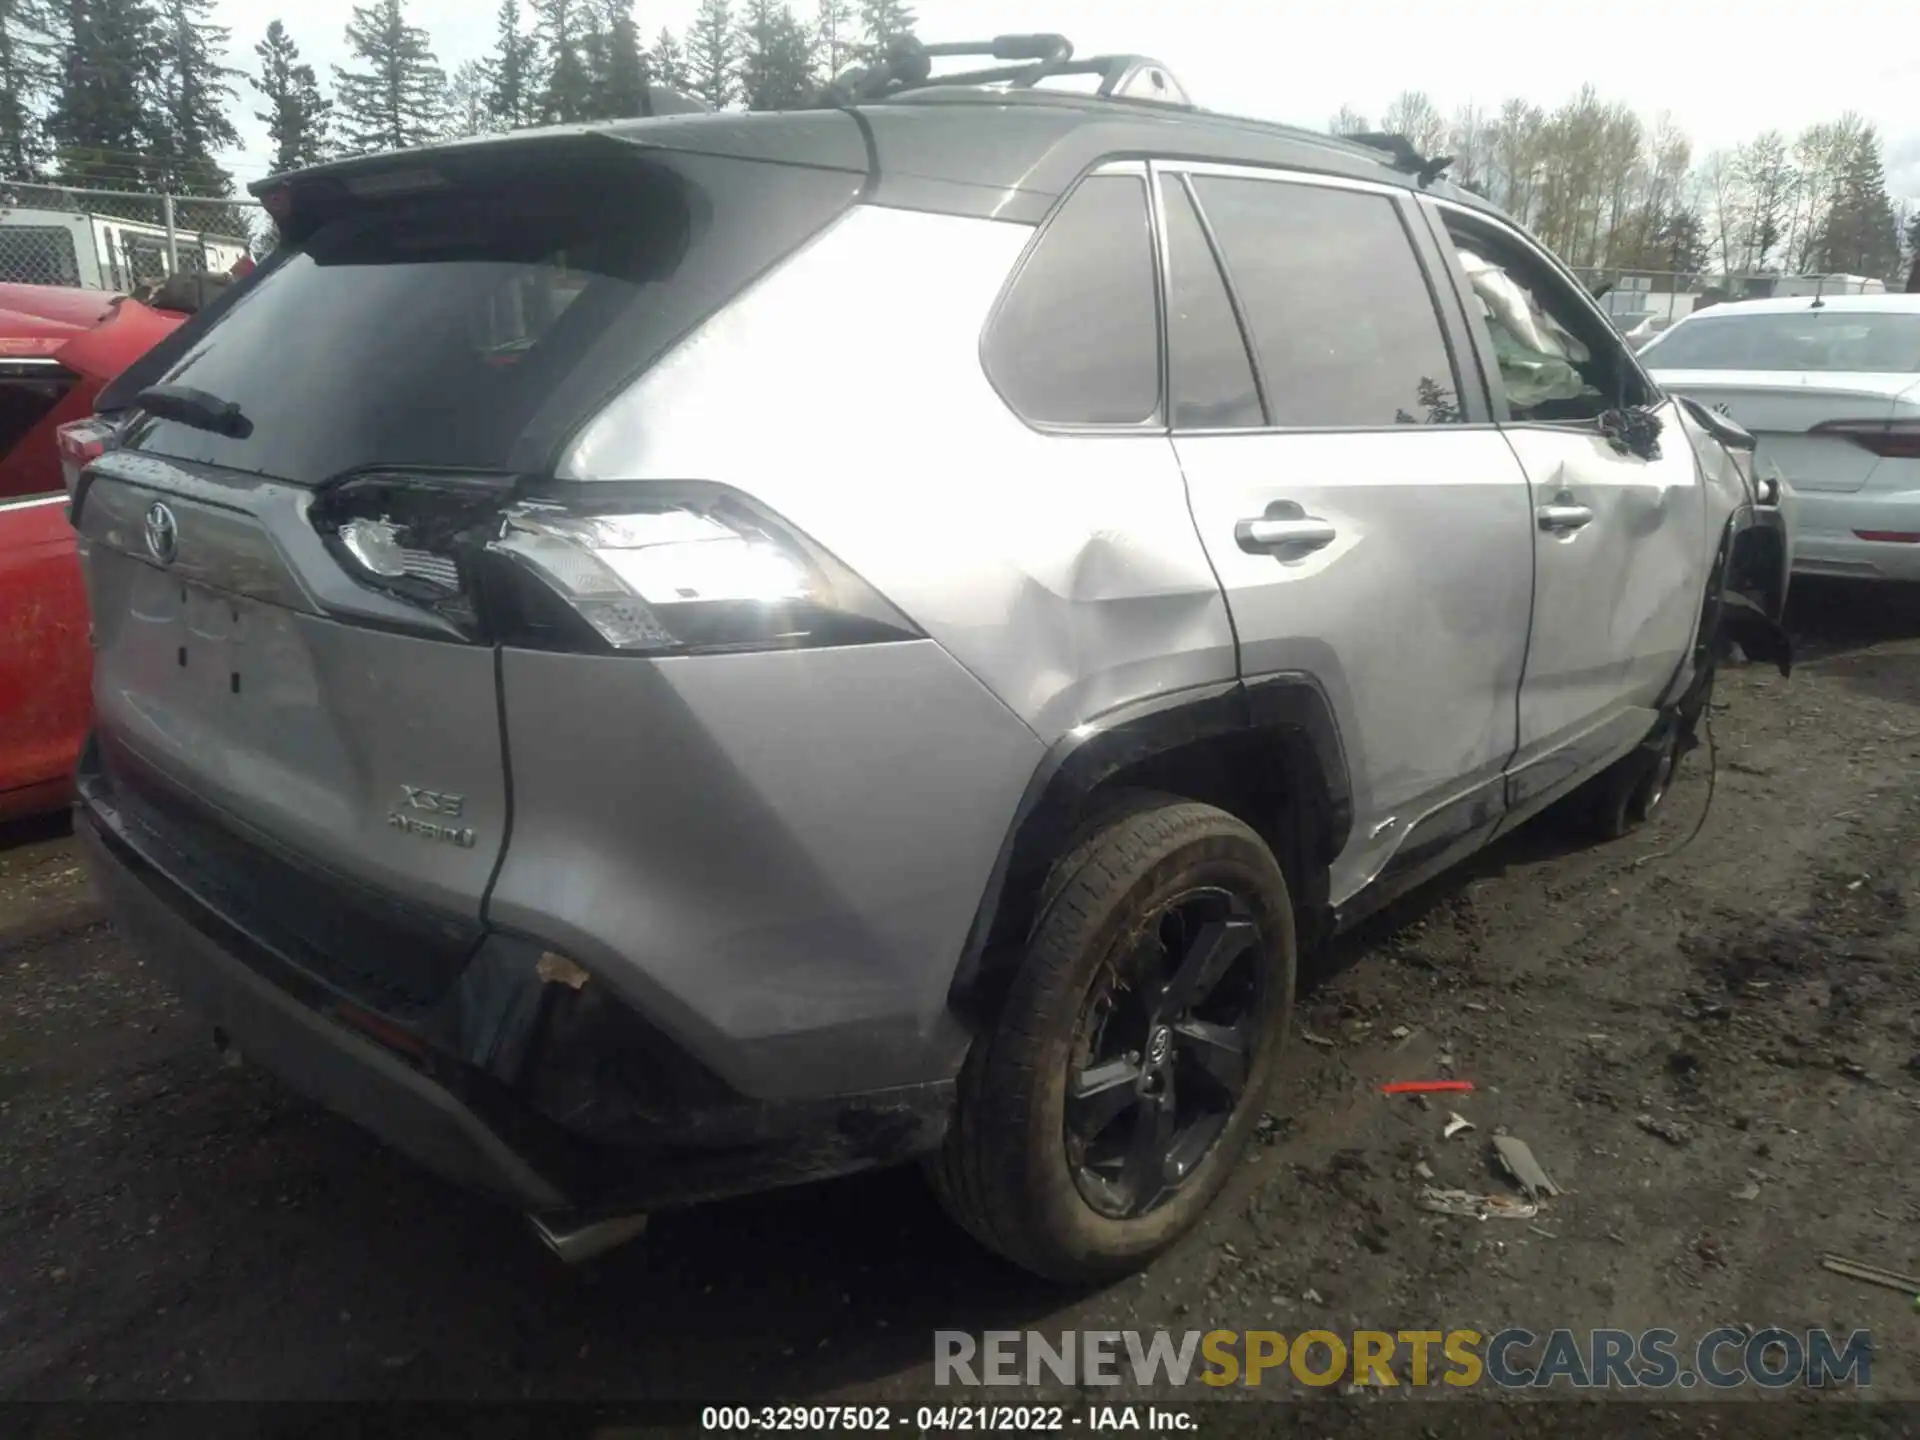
[(58, 347)]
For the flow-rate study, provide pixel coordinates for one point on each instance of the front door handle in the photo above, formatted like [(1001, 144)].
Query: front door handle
[(1563, 518), (1297, 535)]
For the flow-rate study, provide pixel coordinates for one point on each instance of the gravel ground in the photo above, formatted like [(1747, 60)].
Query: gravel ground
[(172, 1226)]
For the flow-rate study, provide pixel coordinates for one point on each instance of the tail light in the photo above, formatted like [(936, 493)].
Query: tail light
[(681, 569), (81, 442), (632, 569), (1889, 439), (415, 537)]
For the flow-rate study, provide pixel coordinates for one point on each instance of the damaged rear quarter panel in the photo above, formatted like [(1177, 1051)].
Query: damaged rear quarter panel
[(1063, 570)]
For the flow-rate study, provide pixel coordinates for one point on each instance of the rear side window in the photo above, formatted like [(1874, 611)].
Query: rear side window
[(1339, 308), (1819, 340), (1076, 340), (1212, 377), (476, 326)]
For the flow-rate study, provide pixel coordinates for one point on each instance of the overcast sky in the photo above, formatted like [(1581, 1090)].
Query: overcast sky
[(1725, 69)]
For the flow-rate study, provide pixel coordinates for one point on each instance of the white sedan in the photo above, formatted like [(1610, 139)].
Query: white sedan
[(1831, 390)]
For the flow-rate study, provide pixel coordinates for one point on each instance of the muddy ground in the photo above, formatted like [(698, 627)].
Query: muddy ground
[(173, 1226)]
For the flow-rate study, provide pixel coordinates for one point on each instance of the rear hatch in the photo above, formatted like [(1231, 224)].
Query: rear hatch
[(296, 683), (1819, 389)]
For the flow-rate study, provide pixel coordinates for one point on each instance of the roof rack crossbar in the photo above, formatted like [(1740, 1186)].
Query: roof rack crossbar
[(1044, 49), (907, 64), (1115, 71)]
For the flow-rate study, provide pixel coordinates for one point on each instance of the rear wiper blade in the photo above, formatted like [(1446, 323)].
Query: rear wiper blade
[(196, 408)]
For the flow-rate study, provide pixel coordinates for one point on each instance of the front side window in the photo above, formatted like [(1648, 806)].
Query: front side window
[(1557, 360), (1337, 303), (1076, 340)]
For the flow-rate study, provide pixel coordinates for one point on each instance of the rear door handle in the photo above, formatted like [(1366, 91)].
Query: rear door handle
[(1564, 518), (1298, 536)]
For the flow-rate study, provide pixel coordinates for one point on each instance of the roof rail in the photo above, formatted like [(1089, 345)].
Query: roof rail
[(1400, 151), (907, 64)]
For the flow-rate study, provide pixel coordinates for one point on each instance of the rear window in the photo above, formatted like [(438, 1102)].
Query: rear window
[(1825, 339), (476, 328)]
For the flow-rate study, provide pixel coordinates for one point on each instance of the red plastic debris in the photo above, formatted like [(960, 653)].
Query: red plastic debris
[(1425, 1087)]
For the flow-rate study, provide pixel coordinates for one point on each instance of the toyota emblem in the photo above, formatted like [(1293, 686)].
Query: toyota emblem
[(163, 533)]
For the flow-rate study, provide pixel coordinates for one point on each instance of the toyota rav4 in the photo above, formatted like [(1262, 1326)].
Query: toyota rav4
[(663, 659)]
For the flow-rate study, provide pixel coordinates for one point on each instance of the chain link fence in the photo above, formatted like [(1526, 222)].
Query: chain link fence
[(120, 240)]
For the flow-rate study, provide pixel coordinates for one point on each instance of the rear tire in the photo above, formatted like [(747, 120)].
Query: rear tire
[(1108, 1102)]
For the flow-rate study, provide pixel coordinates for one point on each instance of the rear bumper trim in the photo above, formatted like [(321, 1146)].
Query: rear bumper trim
[(319, 1058), (462, 1118)]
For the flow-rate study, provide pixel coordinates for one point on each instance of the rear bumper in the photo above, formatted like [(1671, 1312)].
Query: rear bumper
[(315, 1055), (1826, 539), (41, 798), (514, 1088)]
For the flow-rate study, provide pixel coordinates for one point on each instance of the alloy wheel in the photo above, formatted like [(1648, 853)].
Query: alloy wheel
[(1162, 1054)]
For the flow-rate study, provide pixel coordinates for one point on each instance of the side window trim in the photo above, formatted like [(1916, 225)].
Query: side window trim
[(1157, 171), (1478, 405), (1505, 232), (1159, 422), (1479, 337), (1410, 232)]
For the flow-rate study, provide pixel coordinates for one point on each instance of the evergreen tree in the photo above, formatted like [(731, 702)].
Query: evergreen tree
[(28, 56), (1681, 241), (712, 54), (191, 123), (392, 102), (882, 21), (1861, 235), (101, 122), (561, 28), (776, 57), (621, 80), (667, 62), (297, 114), (593, 59), (834, 35), (464, 109), (512, 84), (1913, 254)]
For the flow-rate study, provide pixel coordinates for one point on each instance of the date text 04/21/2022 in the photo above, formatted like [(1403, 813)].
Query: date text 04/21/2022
[(1091, 1420)]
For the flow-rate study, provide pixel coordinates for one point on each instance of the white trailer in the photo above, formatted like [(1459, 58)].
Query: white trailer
[(103, 252), (1789, 285)]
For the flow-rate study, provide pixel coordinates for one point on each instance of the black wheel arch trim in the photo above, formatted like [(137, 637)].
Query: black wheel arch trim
[(1291, 707)]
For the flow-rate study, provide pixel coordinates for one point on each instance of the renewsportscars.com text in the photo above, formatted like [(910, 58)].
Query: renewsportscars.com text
[(1724, 1359)]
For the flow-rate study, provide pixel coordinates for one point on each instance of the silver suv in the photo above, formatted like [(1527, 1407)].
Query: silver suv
[(664, 659)]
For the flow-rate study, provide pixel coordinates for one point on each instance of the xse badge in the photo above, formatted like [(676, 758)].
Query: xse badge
[(416, 803)]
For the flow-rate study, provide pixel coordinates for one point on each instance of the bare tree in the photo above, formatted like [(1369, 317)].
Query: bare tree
[(1415, 116), (1349, 121), (1767, 183), (1726, 206), (1516, 143), (1469, 141)]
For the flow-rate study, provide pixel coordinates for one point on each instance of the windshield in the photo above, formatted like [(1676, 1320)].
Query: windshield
[(475, 329), (1817, 340)]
